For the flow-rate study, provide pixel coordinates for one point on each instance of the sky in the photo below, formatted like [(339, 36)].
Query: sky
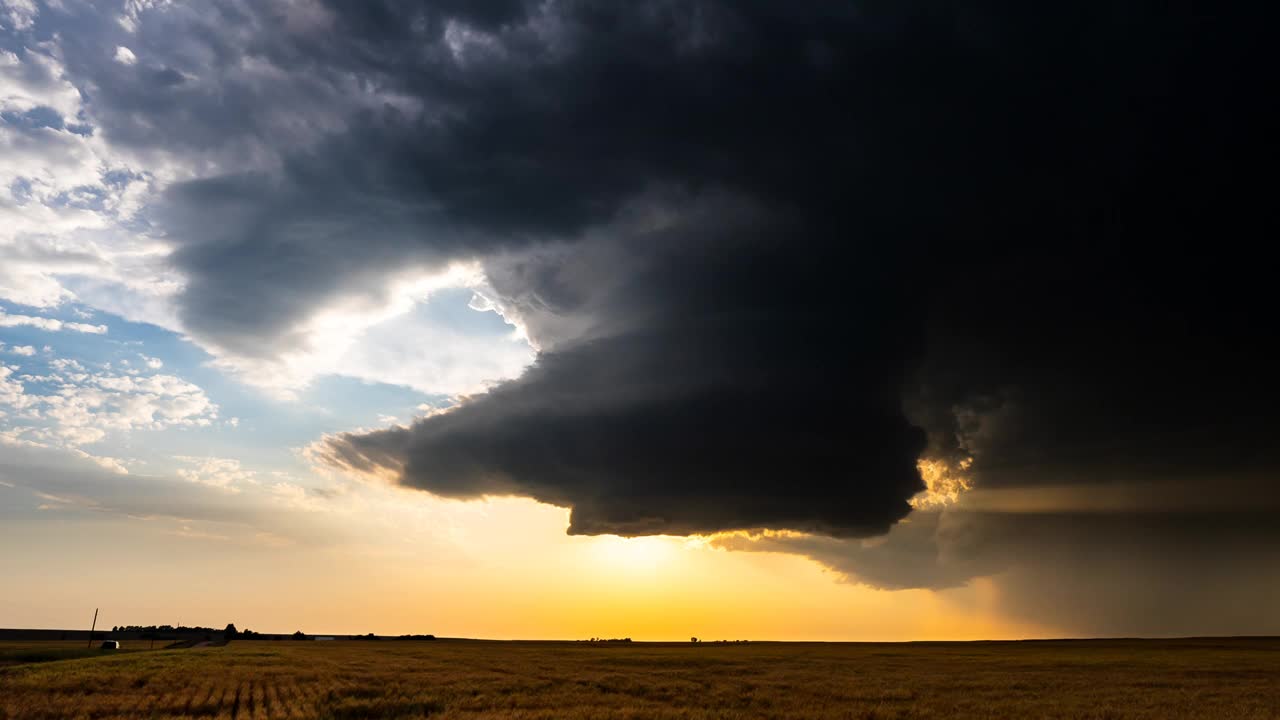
[(565, 319)]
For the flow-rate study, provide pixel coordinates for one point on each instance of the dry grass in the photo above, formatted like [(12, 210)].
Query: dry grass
[(1236, 679), (21, 653)]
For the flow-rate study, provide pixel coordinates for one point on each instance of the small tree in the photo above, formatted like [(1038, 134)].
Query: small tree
[(230, 631), (693, 639)]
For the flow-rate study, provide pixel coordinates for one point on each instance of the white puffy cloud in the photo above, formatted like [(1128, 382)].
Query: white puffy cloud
[(125, 56), (435, 358), (36, 79), (225, 473), (115, 465), (68, 199), (50, 324), (387, 339), (12, 393), (78, 406)]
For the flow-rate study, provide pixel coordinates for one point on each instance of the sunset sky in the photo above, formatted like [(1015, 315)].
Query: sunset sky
[(561, 319)]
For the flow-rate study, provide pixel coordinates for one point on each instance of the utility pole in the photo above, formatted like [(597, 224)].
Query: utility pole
[(95, 627)]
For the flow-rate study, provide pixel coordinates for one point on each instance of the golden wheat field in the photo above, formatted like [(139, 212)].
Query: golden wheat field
[(1236, 679)]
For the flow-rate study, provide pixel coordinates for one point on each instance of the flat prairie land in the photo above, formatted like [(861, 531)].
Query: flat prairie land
[(21, 653), (1237, 679)]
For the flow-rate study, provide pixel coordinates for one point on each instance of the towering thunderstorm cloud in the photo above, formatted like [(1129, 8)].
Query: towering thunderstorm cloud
[(773, 256)]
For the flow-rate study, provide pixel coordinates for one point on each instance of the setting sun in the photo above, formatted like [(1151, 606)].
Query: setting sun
[(636, 556)]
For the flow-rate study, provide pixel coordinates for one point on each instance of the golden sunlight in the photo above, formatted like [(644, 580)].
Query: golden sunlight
[(637, 555)]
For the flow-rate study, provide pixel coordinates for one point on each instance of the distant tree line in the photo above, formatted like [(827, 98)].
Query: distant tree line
[(230, 632), (161, 629)]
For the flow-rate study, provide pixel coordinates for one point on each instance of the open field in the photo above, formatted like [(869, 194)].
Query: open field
[(1236, 679), (21, 653)]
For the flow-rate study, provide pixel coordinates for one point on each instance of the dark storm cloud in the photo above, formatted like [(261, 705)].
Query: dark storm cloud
[(772, 252), (401, 125), (973, 208), (1137, 572), (675, 410)]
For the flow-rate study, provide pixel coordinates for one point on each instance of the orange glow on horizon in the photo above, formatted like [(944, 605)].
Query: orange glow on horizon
[(405, 562)]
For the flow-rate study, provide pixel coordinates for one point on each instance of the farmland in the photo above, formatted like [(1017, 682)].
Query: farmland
[(1237, 679), (21, 653)]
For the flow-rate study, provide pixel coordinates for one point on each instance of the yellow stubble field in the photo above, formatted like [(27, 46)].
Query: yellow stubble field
[(1157, 679)]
